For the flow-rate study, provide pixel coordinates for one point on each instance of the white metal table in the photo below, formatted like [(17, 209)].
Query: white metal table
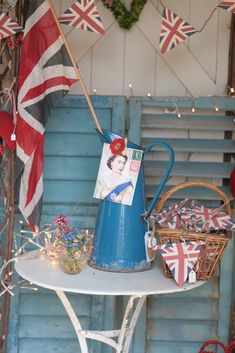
[(138, 285)]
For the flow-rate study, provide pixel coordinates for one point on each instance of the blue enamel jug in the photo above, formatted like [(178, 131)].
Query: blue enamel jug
[(119, 244)]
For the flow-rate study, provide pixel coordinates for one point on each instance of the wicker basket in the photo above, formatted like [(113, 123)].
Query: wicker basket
[(215, 244)]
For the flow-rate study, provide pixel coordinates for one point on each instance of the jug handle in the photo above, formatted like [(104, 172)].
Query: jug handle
[(165, 176)]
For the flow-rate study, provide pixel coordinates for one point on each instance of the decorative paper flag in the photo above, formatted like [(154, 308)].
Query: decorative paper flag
[(83, 14), (212, 219), (180, 258), (174, 30), (177, 216), (227, 5), (46, 72), (8, 27)]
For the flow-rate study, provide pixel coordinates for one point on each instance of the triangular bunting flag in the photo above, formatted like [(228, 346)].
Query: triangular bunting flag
[(8, 27), (227, 5), (83, 14), (180, 258), (174, 30)]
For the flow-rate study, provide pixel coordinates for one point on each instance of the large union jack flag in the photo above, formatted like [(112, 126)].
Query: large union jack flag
[(174, 30), (180, 258), (8, 27), (227, 5), (46, 72), (83, 14)]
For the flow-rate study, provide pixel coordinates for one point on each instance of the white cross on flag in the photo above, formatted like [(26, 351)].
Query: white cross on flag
[(174, 30), (180, 258), (83, 14), (227, 5), (8, 27)]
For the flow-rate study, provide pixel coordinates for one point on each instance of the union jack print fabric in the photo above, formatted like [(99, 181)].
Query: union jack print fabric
[(46, 73), (174, 30), (180, 258), (227, 5), (83, 14), (8, 27)]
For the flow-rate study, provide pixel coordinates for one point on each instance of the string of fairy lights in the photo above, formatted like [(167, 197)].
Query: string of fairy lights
[(44, 242), (174, 101)]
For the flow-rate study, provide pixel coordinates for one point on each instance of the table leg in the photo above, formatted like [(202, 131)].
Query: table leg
[(124, 335), (74, 320), (128, 323)]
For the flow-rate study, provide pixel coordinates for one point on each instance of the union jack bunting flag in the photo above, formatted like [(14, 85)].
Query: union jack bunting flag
[(8, 27), (212, 219), (83, 14), (180, 258), (46, 72), (227, 5), (174, 30)]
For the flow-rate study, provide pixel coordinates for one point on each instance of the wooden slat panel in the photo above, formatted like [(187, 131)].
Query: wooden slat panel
[(190, 169), (181, 309), (68, 191), (193, 192), (181, 330), (195, 122), (53, 305), (49, 327), (77, 120), (195, 145), (48, 345), (223, 103), (71, 168), (72, 144), (170, 347)]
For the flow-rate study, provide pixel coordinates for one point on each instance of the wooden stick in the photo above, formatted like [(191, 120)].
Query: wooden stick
[(76, 69)]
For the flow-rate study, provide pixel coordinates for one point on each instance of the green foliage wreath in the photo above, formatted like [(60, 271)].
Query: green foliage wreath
[(126, 18)]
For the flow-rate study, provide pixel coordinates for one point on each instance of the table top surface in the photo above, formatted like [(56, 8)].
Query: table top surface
[(44, 273)]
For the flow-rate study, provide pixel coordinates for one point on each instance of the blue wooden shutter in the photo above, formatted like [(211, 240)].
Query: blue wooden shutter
[(180, 322), (38, 321)]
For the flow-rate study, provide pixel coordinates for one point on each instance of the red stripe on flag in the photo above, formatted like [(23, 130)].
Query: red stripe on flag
[(52, 82), (40, 30), (36, 170), (24, 129)]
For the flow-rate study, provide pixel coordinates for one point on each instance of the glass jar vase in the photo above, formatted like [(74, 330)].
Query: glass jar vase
[(70, 261)]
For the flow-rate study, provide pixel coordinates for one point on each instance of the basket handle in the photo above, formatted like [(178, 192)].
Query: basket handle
[(186, 184)]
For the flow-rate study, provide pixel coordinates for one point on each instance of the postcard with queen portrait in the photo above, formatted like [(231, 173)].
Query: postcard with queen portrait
[(118, 174)]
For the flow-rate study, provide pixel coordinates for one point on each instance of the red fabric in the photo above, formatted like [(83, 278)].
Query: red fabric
[(232, 182), (6, 129)]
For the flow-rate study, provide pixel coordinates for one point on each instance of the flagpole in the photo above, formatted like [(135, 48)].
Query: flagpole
[(76, 69)]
